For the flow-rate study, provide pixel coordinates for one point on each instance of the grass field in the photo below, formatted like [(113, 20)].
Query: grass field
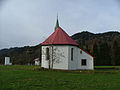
[(107, 66), (30, 78)]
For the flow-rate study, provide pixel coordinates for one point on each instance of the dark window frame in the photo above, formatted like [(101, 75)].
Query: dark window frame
[(84, 62), (47, 54), (80, 52), (72, 54)]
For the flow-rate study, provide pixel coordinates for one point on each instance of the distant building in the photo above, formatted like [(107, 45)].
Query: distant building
[(37, 61), (7, 61), (60, 51)]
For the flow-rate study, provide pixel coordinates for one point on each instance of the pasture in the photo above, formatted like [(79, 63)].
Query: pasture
[(34, 78)]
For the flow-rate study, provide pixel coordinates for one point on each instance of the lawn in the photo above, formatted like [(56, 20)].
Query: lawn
[(107, 67), (30, 78)]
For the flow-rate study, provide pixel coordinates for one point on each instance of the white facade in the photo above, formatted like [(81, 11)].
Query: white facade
[(62, 57), (59, 55), (37, 61), (7, 61)]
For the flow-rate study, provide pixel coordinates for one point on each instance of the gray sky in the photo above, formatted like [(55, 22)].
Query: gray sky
[(29, 22)]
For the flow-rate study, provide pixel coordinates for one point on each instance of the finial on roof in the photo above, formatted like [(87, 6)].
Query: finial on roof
[(57, 23)]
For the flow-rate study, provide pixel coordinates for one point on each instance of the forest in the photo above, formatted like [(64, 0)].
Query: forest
[(105, 47)]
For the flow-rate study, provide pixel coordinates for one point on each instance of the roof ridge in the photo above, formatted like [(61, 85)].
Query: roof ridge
[(55, 35), (59, 37)]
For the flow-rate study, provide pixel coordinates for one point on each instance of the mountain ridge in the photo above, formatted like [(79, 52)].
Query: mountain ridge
[(93, 43)]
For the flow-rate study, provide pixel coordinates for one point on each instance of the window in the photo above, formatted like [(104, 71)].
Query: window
[(71, 54), (83, 62), (47, 54), (80, 52)]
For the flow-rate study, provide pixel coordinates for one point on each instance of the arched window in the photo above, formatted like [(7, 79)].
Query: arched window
[(71, 54), (47, 54)]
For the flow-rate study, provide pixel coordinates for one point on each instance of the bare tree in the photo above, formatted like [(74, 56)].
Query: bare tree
[(55, 56)]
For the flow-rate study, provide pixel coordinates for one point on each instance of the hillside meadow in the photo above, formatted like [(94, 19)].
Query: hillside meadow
[(18, 77)]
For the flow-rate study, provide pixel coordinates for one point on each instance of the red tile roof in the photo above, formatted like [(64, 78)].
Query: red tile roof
[(59, 37)]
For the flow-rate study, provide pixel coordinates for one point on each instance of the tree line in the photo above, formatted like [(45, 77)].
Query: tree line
[(105, 47), (104, 54)]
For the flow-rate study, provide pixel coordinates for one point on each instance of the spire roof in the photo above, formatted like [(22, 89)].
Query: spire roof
[(60, 37), (57, 23)]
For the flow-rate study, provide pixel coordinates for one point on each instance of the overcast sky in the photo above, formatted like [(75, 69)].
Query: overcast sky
[(29, 22)]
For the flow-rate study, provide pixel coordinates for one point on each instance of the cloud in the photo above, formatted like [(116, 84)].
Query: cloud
[(29, 22), (2, 2)]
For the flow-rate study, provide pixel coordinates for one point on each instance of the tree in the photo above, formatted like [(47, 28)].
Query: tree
[(116, 54), (96, 54), (104, 54), (54, 56)]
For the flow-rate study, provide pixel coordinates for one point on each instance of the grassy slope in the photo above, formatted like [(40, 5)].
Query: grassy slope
[(25, 78)]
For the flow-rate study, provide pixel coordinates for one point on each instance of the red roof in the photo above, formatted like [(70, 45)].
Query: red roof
[(59, 37)]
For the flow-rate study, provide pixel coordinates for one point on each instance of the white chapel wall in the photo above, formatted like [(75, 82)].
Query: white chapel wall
[(60, 57), (89, 58), (61, 61), (63, 58), (78, 55), (73, 64)]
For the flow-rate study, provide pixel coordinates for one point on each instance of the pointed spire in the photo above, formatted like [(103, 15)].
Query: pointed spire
[(57, 23)]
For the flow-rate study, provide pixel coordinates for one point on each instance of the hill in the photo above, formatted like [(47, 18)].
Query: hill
[(21, 55), (105, 47)]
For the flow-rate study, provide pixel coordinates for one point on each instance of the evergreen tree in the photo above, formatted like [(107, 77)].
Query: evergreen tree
[(104, 54), (116, 54), (96, 54)]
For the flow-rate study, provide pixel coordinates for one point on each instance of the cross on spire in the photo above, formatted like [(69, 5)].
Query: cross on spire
[(57, 23)]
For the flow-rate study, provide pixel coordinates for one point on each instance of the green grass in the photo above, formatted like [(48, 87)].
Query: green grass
[(107, 66), (29, 78)]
